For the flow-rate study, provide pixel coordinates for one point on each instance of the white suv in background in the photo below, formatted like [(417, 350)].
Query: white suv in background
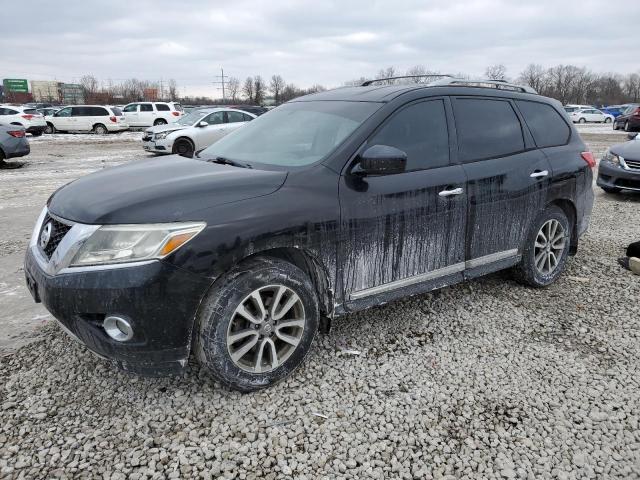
[(194, 131), (146, 114), (98, 119), (29, 118)]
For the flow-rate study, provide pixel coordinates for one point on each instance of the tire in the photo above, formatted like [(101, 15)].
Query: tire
[(611, 189), (100, 129), (627, 127), (37, 134), (582, 120), (218, 318), (50, 128), (159, 121), (527, 272), (615, 125), (184, 147), (607, 120)]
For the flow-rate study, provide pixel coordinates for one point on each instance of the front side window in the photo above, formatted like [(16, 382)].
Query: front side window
[(294, 134), (486, 129), (419, 130), (215, 118), (65, 112), (146, 107), (545, 123), (131, 108)]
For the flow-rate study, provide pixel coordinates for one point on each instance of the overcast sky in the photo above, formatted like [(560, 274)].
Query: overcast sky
[(321, 41)]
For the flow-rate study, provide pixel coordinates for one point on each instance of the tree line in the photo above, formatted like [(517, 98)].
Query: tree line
[(566, 83)]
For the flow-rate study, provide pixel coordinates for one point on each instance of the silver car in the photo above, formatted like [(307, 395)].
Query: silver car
[(194, 131), (13, 143)]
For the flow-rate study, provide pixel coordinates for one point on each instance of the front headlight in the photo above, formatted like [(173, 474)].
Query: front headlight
[(611, 158), (162, 135), (133, 243)]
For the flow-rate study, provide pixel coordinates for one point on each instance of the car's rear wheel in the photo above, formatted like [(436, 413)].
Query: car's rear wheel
[(612, 189), (100, 129), (615, 125), (257, 324), (50, 128), (546, 249), (159, 121), (36, 133), (582, 120), (184, 147)]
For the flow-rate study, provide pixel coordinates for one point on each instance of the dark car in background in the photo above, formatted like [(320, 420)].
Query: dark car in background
[(619, 168), (329, 204), (13, 143), (629, 119)]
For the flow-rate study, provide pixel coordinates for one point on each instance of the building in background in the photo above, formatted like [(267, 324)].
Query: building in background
[(45, 91), (71, 93), (150, 94)]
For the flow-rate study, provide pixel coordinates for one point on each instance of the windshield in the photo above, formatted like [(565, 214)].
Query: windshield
[(191, 118), (293, 134)]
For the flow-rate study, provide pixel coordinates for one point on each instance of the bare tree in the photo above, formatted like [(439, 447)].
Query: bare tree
[(386, 73), (259, 89), (496, 72), (89, 84), (173, 89), (233, 87), (536, 77), (631, 87), (276, 86), (248, 89), (421, 70)]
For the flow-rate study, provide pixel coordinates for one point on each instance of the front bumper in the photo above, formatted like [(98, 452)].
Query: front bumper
[(158, 299), (158, 146), (611, 176)]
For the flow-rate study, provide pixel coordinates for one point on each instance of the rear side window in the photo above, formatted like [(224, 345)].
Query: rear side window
[(545, 123), (31, 111), (235, 117), (116, 111), (486, 129), (146, 107), (419, 130), (162, 107), (97, 111)]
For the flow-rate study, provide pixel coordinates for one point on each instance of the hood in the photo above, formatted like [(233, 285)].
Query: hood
[(630, 149), (167, 127), (164, 189)]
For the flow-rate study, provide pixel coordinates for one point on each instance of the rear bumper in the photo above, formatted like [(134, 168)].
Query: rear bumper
[(21, 149), (611, 176), (159, 300)]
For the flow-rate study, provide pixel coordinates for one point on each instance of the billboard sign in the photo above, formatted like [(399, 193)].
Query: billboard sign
[(16, 85)]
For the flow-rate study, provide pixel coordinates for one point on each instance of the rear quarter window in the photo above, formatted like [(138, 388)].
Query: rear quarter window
[(162, 107), (545, 123), (486, 128)]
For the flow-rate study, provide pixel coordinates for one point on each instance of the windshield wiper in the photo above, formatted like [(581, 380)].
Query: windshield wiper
[(226, 161)]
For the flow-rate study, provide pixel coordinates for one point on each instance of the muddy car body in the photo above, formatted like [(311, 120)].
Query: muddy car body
[(338, 219)]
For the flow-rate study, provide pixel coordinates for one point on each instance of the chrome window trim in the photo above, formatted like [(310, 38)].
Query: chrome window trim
[(432, 275)]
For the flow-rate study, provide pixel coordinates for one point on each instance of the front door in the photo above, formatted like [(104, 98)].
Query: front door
[(146, 115), (404, 233), (131, 114), (62, 119), (205, 136), (508, 180)]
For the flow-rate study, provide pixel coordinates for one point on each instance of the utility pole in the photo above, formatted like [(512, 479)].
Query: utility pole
[(221, 81)]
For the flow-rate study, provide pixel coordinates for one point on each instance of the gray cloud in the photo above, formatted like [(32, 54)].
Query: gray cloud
[(324, 42)]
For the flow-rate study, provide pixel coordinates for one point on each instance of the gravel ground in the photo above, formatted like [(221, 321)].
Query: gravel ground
[(486, 379)]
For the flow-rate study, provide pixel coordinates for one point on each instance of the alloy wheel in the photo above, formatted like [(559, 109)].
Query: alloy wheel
[(265, 329), (549, 246)]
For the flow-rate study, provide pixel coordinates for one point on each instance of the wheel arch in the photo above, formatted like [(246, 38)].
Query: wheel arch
[(569, 209), (93, 127)]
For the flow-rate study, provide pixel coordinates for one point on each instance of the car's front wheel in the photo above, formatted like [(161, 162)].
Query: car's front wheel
[(546, 249), (159, 121), (184, 147), (627, 126), (257, 324), (50, 128), (582, 120)]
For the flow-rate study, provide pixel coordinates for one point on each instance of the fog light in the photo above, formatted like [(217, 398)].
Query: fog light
[(118, 328)]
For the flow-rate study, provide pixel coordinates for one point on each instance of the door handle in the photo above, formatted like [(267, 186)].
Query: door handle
[(448, 193), (539, 174)]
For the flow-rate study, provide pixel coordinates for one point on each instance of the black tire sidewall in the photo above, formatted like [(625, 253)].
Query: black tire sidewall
[(529, 272), (190, 152), (159, 122), (217, 311)]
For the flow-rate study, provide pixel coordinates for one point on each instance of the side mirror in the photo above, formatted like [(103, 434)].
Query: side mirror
[(203, 124), (381, 160), (632, 135)]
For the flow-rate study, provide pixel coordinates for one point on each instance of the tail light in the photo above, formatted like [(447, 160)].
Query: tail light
[(588, 157), (113, 119), (17, 133), (637, 112), (28, 116), (176, 114)]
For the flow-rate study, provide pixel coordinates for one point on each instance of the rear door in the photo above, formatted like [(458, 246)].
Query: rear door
[(508, 180), (235, 120), (79, 121), (405, 232)]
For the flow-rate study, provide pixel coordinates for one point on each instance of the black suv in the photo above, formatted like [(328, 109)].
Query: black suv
[(326, 205)]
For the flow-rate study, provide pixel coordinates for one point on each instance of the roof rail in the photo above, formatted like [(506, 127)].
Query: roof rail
[(375, 80), (482, 83)]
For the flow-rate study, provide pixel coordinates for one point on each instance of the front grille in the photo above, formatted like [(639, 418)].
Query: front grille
[(626, 183), (632, 164), (58, 231)]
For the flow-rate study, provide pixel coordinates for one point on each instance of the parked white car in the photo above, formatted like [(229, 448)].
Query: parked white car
[(146, 114), (590, 115), (570, 108), (194, 131), (98, 119), (29, 118)]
